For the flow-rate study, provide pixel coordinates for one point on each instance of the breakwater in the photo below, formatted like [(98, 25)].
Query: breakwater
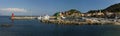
[(78, 23), (24, 17)]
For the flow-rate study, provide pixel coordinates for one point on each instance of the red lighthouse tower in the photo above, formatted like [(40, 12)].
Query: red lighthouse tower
[(12, 17)]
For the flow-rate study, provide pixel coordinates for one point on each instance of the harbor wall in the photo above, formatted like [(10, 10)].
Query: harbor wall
[(27, 17), (24, 17)]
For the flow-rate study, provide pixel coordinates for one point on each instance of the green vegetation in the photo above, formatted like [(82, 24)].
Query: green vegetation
[(112, 8), (74, 12), (56, 14), (94, 11), (71, 12)]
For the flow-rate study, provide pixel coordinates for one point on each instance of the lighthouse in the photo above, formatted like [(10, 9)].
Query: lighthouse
[(12, 16)]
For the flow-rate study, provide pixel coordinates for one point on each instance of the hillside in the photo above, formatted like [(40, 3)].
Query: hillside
[(113, 8), (71, 12)]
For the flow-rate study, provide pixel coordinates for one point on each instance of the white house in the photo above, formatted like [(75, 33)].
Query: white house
[(39, 18), (46, 17)]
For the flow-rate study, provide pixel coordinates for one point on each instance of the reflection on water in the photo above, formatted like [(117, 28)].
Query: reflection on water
[(36, 28), (6, 25)]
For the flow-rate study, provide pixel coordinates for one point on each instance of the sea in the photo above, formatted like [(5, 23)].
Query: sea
[(10, 27)]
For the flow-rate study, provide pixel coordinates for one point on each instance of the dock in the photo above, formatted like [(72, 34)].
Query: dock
[(24, 17), (78, 23)]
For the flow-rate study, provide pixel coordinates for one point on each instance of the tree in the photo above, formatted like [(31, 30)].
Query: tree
[(113, 8), (56, 14), (74, 11)]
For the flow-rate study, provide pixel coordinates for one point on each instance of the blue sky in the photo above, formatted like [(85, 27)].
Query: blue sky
[(42, 7)]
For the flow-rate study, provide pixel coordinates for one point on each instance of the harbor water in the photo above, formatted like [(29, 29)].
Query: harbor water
[(36, 28)]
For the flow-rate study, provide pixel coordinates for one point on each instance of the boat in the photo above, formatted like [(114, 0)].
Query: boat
[(39, 18)]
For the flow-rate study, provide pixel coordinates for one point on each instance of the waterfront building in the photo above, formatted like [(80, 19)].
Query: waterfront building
[(46, 17), (82, 15), (39, 18), (89, 14), (100, 13)]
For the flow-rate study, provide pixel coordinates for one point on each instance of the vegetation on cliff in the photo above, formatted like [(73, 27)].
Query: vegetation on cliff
[(76, 13), (112, 8), (71, 12)]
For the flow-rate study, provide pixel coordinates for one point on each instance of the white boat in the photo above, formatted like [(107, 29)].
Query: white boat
[(39, 18), (46, 17)]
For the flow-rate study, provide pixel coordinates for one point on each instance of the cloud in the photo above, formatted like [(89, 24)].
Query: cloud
[(13, 9)]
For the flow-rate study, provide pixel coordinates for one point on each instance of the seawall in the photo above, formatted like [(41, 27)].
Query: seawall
[(23, 17)]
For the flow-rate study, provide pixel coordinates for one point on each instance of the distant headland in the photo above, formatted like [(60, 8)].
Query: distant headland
[(111, 11)]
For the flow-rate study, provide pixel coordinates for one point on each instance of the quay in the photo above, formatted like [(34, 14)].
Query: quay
[(13, 17), (78, 23), (24, 17)]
